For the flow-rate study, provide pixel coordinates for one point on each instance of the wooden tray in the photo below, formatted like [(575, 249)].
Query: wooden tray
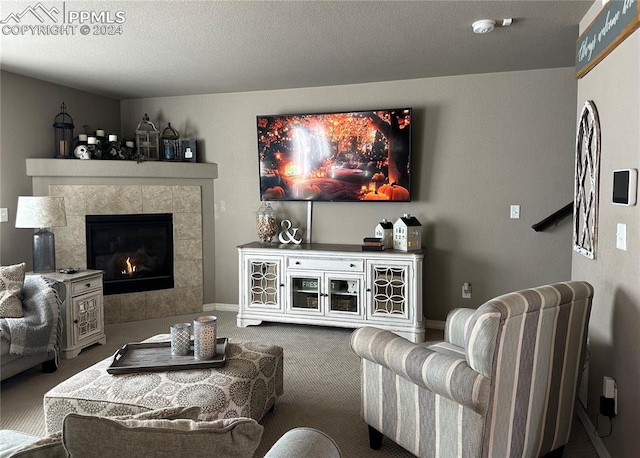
[(157, 357)]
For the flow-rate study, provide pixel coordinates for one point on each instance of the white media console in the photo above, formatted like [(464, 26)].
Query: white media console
[(332, 285)]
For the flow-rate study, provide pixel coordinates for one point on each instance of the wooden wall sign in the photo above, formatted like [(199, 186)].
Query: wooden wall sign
[(617, 20)]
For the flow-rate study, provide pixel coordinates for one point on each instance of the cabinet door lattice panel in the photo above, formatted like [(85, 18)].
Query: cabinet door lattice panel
[(265, 282), (88, 311), (389, 290)]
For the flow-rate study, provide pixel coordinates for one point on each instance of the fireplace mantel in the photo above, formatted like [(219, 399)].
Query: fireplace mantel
[(119, 169)]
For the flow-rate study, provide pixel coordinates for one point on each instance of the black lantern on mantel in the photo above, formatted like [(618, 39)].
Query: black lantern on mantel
[(148, 140), (63, 127), (170, 141)]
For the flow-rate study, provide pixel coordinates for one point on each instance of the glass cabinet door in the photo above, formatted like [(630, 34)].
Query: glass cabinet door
[(305, 293), (344, 295), (264, 283)]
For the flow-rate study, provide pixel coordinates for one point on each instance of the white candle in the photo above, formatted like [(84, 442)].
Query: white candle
[(82, 137), (99, 133), (113, 138), (92, 140), (64, 150), (129, 144)]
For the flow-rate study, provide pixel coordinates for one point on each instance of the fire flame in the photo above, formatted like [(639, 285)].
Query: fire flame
[(130, 267)]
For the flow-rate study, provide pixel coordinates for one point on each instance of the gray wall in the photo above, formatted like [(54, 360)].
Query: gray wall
[(481, 143), (614, 328), (29, 107)]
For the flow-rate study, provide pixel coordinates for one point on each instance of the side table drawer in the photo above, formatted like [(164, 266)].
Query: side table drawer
[(85, 285)]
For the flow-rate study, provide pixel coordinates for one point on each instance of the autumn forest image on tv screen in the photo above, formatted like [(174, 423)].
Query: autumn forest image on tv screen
[(350, 156)]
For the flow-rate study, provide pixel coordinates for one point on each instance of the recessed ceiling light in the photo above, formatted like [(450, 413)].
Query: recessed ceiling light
[(483, 26)]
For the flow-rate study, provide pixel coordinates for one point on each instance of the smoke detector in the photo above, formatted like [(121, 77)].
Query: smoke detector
[(483, 26)]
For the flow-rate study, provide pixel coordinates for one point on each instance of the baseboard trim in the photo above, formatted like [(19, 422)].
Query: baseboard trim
[(222, 307), (429, 324), (435, 324), (588, 427)]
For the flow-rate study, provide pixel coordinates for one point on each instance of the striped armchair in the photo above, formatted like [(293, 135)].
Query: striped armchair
[(501, 384)]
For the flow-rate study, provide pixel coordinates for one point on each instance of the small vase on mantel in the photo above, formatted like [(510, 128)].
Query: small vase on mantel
[(266, 223)]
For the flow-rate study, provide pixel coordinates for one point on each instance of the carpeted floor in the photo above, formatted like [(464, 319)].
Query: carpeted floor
[(321, 384)]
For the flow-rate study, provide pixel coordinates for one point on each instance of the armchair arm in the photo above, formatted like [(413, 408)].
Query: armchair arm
[(302, 442), (456, 326), (444, 375)]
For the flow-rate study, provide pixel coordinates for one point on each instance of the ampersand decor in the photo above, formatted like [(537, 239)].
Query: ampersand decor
[(288, 237)]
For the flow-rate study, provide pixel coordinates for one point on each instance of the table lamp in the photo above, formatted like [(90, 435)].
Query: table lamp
[(42, 213)]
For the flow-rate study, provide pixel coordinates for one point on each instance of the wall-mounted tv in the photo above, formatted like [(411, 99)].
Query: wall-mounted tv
[(337, 157)]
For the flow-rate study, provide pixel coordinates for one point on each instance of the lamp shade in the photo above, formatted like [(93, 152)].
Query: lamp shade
[(40, 212)]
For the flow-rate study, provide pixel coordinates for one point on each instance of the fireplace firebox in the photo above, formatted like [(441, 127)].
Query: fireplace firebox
[(134, 251)]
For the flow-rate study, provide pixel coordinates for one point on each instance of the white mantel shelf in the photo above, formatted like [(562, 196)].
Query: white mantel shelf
[(120, 169)]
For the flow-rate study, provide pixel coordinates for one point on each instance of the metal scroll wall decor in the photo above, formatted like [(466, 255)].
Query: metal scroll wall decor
[(585, 214)]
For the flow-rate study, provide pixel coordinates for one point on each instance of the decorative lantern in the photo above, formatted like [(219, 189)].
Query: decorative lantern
[(63, 126), (148, 139), (266, 223), (170, 141)]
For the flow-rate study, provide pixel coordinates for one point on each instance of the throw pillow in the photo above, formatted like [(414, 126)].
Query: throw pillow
[(51, 446), (11, 283), (47, 447), (232, 438)]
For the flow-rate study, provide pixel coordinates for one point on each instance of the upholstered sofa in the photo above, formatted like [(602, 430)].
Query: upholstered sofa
[(502, 383), (36, 329), (171, 432)]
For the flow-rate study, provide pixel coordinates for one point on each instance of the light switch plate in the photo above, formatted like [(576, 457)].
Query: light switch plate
[(4, 215), (515, 212), (621, 237)]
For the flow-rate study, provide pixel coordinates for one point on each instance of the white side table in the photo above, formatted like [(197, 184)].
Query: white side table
[(82, 310)]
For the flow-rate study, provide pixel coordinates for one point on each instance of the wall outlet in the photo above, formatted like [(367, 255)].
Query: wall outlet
[(515, 212), (4, 215), (466, 290), (609, 398)]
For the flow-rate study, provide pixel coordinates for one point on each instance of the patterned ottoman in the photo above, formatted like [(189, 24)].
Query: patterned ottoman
[(246, 386)]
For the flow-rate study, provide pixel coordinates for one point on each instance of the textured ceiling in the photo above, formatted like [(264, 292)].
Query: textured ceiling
[(168, 48)]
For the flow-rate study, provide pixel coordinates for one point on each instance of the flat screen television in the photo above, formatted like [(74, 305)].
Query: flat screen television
[(336, 157)]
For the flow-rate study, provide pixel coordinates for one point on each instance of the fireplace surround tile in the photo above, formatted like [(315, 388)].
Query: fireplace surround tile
[(187, 273), (101, 200), (133, 307), (187, 226), (129, 199), (185, 202), (186, 199), (187, 249), (157, 199), (74, 200)]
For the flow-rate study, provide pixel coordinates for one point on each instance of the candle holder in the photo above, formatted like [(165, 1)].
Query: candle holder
[(204, 337), (180, 339)]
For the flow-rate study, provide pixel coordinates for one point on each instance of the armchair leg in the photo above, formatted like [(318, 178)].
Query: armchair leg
[(557, 453), (375, 438)]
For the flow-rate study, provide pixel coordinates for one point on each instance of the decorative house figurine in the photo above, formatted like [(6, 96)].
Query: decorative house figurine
[(384, 230), (148, 140), (407, 233)]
